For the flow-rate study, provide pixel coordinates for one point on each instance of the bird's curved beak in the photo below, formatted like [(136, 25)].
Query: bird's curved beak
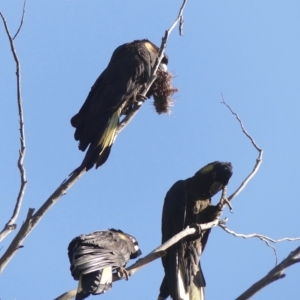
[(136, 254), (216, 186), (163, 67)]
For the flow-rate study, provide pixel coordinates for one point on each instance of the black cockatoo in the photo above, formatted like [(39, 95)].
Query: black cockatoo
[(93, 258), (114, 93), (188, 202)]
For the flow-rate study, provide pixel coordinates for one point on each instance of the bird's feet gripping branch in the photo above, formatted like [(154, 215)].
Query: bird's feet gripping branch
[(122, 272)]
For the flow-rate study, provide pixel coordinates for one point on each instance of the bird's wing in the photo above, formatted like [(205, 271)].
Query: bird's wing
[(172, 223), (174, 210), (118, 82), (96, 251)]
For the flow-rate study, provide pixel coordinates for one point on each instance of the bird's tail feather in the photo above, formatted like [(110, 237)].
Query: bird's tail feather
[(197, 286), (196, 293), (108, 138), (80, 295), (196, 289), (99, 150), (105, 281), (182, 293), (94, 283)]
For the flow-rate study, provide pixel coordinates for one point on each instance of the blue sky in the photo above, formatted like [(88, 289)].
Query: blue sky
[(247, 50)]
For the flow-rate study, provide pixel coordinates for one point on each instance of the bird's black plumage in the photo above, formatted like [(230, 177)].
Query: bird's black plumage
[(188, 202), (93, 258), (113, 95)]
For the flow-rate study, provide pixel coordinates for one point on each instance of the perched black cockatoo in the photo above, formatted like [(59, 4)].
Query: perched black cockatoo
[(114, 93), (186, 203), (93, 258)]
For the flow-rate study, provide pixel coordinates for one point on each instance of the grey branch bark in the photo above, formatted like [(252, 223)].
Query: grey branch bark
[(259, 157), (275, 274), (293, 258), (11, 224), (267, 240), (156, 253), (162, 49), (33, 219)]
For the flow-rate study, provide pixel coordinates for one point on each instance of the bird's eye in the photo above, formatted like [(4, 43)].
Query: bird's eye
[(214, 174)]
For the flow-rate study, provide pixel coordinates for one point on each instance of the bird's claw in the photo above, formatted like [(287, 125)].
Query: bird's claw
[(141, 98), (122, 272), (225, 201), (197, 227)]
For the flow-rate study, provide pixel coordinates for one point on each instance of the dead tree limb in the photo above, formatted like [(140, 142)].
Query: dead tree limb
[(162, 49), (156, 253), (11, 224), (275, 274), (263, 238), (21, 22), (258, 160), (33, 219)]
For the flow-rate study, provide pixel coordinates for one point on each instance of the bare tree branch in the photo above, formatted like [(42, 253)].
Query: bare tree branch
[(162, 49), (33, 219), (68, 295), (11, 224), (263, 238), (156, 253), (258, 160), (161, 249), (275, 274), (257, 235), (22, 20), (223, 200)]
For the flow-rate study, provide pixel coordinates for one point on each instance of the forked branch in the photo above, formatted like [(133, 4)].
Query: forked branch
[(267, 240), (156, 253), (275, 274), (259, 157), (162, 49), (11, 224), (33, 218)]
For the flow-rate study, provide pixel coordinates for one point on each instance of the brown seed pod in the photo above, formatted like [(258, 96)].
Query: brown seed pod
[(162, 91)]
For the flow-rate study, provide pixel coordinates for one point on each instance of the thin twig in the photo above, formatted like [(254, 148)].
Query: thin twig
[(161, 53), (22, 20), (156, 253), (275, 274), (258, 160), (257, 235), (32, 221), (11, 224), (263, 238)]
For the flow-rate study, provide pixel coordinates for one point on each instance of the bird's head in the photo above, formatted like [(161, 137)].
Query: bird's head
[(137, 251), (132, 243), (213, 177), (154, 49)]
